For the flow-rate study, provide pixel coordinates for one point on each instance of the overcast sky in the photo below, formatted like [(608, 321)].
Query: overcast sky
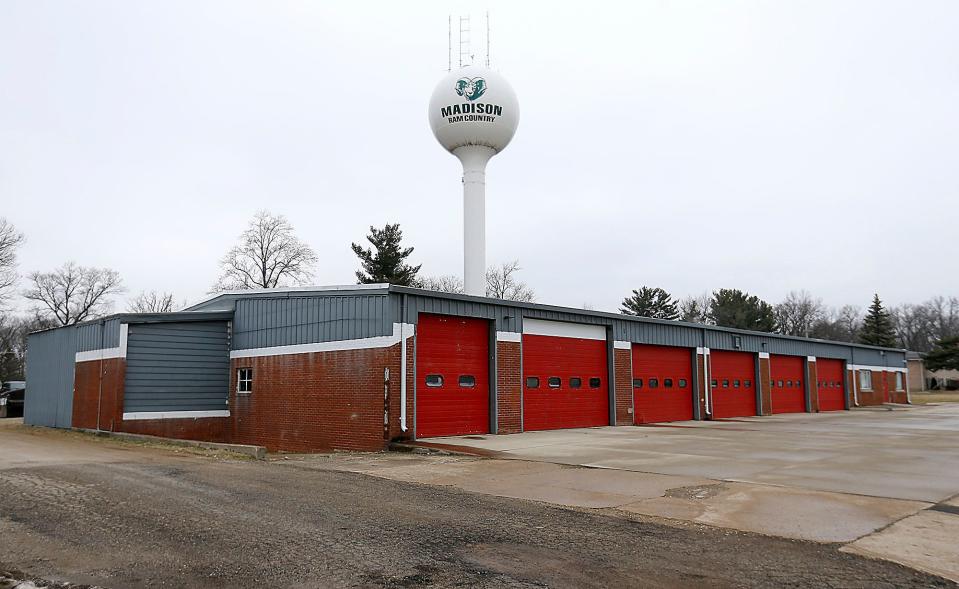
[(767, 146)]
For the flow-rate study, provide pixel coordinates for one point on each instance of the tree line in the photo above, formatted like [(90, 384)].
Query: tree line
[(931, 327)]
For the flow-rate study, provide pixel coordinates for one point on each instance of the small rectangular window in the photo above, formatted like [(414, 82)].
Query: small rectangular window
[(865, 380), (798, 384), (654, 383), (725, 383), (532, 382), (736, 383), (244, 380), (682, 383), (747, 383), (779, 383), (553, 382), (434, 380), (595, 382), (714, 383), (789, 383), (637, 383), (668, 383), (467, 381), (575, 382)]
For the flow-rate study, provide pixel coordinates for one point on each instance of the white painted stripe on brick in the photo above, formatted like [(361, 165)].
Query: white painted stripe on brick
[(563, 329), (875, 368), (764, 354), (124, 334), (173, 415), (366, 343), (100, 354), (623, 345), (107, 353), (509, 336)]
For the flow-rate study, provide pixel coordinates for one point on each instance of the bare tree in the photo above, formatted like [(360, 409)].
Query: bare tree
[(841, 325), (10, 241), (268, 255), (13, 343), (71, 294), (919, 327), (152, 302), (695, 309), (444, 283), (501, 283), (798, 313)]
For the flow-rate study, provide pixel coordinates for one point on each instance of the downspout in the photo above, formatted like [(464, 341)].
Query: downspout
[(855, 381), (100, 375), (403, 364)]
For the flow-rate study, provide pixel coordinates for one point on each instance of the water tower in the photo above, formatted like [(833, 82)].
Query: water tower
[(473, 114)]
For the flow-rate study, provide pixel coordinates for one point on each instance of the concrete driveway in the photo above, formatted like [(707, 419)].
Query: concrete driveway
[(905, 453), (884, 481)]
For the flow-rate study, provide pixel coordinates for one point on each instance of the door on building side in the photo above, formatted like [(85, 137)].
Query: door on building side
[(452, 372), (565, 375), (830, 384), (662, 384), (732, 379), (787, 384)]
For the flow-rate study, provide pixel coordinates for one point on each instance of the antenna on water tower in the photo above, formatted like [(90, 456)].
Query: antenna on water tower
[(487, 38), (473, 113)]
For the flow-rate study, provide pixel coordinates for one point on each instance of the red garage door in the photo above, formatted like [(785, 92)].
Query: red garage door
[(788, 390), (732, 376), (564, 375), (831, 384), (452, 370), (662, 384)]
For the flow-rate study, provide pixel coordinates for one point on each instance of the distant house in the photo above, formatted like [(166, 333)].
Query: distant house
[(921, 379)]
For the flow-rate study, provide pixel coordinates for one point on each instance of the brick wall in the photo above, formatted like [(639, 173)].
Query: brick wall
[(509, 382), (765, 390), (875, 396), (812, 382), (623, 380), (319, 401)]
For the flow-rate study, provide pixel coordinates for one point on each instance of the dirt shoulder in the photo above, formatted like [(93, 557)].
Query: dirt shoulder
[(156, 518)]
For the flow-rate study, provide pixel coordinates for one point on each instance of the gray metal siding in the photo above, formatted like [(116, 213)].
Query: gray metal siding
[(506, 318), (51, 362), (177, 367), (265, 322), (98, 335)]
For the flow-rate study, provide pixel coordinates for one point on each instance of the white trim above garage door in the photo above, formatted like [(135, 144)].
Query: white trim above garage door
[(564, 329)]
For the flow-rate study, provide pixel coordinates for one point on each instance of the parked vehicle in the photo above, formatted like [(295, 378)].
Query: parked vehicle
[(11, 398)]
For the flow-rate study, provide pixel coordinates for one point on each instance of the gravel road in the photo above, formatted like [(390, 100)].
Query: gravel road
[(147, 517)]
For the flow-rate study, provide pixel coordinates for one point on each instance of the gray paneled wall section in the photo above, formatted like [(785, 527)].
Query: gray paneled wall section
[(98, 335), (264, 323), (177, 367), (51, 361)]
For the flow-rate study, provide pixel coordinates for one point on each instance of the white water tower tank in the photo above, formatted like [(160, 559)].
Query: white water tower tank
[(474, 114)]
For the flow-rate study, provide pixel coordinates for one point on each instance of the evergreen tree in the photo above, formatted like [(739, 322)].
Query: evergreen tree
[(877, 326), (945, 355), (650, 302), (385, 262), (735, 308)]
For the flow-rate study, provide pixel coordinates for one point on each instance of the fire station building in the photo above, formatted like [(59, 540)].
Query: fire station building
[(355, 367)]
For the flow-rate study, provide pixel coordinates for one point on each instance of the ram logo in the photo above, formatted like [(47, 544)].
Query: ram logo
[(470, 88)]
